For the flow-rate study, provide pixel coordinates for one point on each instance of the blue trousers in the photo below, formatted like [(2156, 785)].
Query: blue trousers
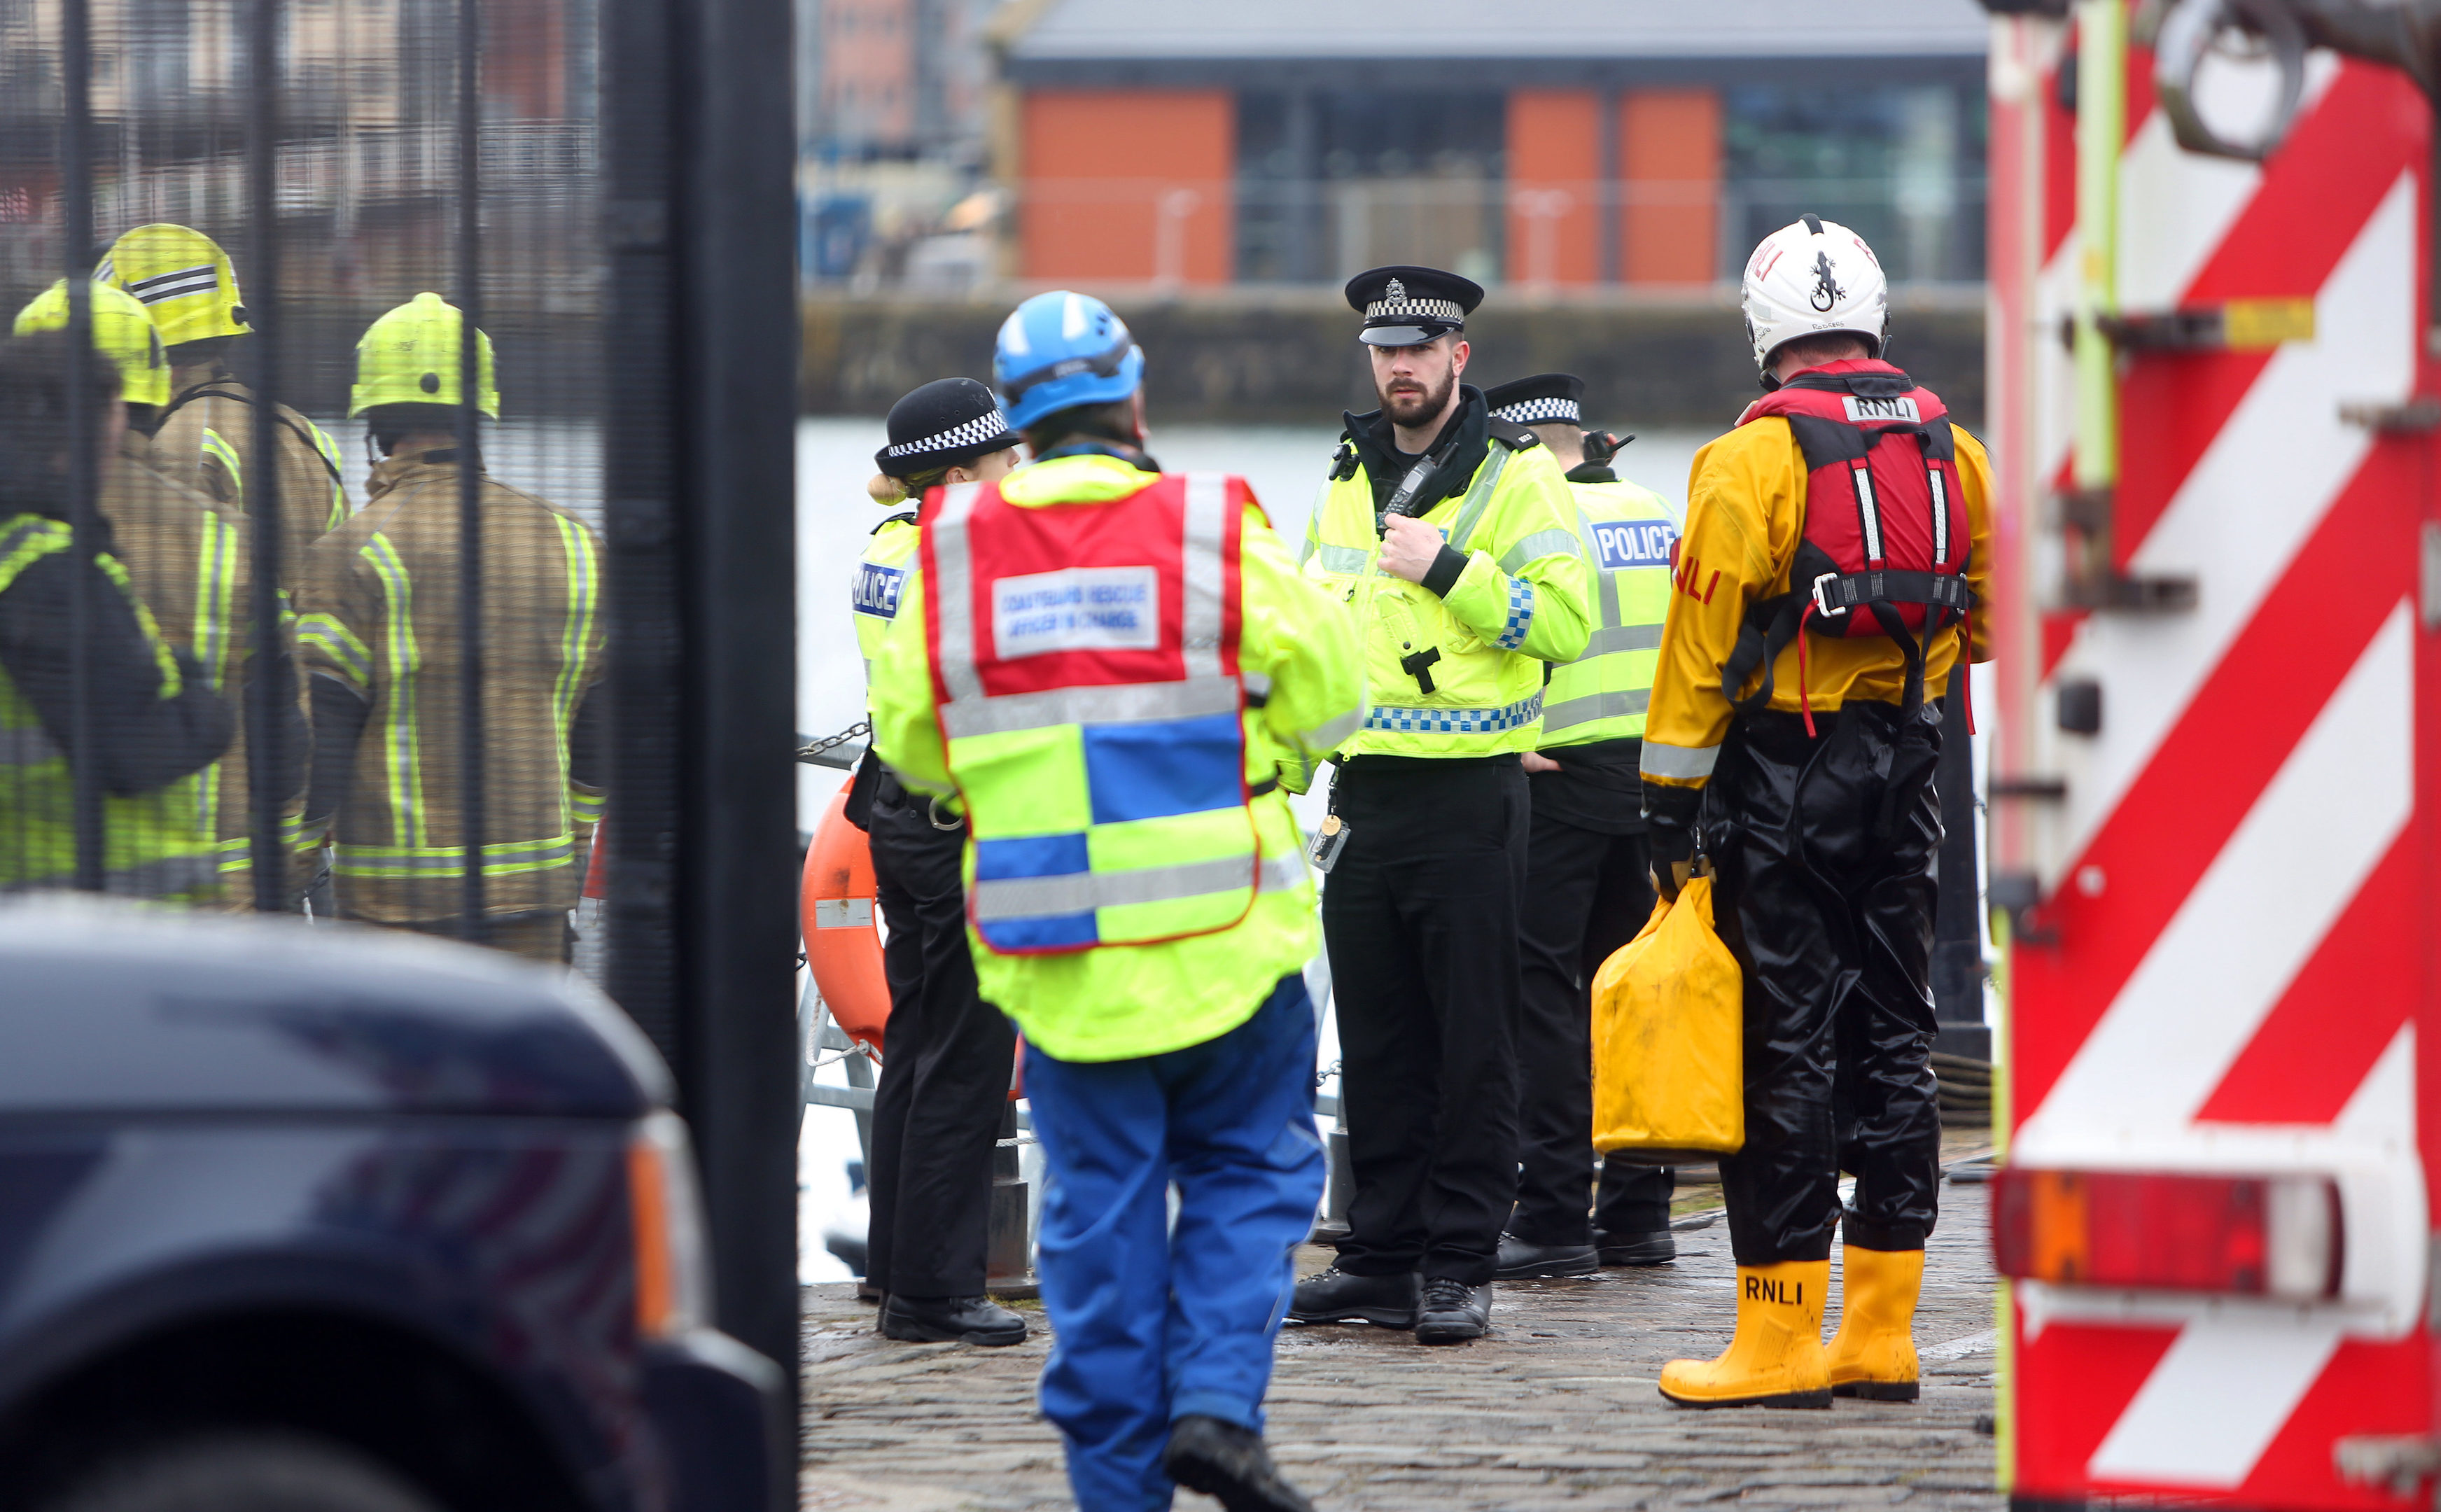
[(1153, 1322)]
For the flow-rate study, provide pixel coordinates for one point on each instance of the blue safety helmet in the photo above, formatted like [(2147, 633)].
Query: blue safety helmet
[(1060, 349)]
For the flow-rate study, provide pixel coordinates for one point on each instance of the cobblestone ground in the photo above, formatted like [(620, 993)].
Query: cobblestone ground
[(1556, 1408)]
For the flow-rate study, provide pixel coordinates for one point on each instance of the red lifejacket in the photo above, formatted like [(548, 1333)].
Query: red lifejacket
[(1885, 542)]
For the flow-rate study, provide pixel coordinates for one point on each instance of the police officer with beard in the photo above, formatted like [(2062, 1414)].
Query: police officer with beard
[(1450, 537)]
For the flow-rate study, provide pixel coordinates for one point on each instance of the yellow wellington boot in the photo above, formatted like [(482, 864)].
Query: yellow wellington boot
[(1873, 1355), (1776, 1358)]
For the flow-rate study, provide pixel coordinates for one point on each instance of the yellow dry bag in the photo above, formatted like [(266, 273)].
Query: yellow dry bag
[(1669, 1030)]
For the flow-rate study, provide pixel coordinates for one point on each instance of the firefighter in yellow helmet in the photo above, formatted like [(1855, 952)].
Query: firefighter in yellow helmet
[(380, 636), (189, 562), (206, 433), (153, 724)]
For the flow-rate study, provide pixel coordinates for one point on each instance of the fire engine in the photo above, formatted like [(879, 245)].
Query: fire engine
[(2215, 395)]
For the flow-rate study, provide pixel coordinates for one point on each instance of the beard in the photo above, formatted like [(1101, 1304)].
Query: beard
[(1410, 401)]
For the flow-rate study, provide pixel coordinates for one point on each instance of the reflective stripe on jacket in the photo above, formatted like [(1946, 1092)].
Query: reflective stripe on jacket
[(1304, 683), (1091, 699), (1627, 532), (1461, 675), (155, 844)]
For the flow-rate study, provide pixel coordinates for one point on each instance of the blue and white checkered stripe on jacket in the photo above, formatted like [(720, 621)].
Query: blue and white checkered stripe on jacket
[(1464, 721), (1521, 614)]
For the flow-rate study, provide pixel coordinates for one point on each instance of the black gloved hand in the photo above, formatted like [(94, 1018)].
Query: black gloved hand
[(1670, 835)]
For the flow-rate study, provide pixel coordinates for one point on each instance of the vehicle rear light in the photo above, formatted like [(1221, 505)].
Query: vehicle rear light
[(672, 1283), (2247, 1236)]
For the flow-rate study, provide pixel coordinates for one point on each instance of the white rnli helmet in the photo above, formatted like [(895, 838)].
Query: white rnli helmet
[(1810, 277)]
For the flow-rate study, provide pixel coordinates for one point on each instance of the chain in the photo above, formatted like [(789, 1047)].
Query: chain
[(813, 750)]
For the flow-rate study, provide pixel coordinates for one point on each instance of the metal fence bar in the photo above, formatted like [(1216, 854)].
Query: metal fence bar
[(84, 430), (267, 694), (473, 923)]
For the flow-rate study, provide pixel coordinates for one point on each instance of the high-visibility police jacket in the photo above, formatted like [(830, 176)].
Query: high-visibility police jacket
[(1303, 693), (1601, 694), (154, 843), (378, 611), (1458, 672), (882, 577), (192, 566), (1745, 514), (206, 440)]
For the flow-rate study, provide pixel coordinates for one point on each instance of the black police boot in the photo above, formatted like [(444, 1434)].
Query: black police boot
[(1453, 1312), (1229, 1463), (1335, 1296), (1523, 1259), (1653, 1249), (967, 1320)]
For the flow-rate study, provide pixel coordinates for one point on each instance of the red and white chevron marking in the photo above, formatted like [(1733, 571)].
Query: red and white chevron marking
[(2241, 875)]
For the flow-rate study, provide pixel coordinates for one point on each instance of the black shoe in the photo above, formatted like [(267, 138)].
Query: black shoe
[(933, 1320), (1229, 1463), (1453, 1312), (1335, 1296), (1653, 1249), (1523, 1259)]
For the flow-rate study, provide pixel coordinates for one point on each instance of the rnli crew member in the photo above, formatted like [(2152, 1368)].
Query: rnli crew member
[(1586, 893), (204, 435), (191, 564), (1114, 663), (1837, 545), (936, 1116), (153, 718), (1450, 537), (380, 636)]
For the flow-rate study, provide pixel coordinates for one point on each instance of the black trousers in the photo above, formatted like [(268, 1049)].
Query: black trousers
[(1586, 894), (1420, 918), (1825, 850), (946, 1056)]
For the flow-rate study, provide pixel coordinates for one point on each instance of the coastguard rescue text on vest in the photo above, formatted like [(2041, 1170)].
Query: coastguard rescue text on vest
[(1076, 609)]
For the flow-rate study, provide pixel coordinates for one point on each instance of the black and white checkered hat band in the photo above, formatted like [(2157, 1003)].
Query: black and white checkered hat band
[(1391, 311), (1541, 413), (962, 437)]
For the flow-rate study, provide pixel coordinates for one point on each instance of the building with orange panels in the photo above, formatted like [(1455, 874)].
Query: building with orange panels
[(1573, 145)]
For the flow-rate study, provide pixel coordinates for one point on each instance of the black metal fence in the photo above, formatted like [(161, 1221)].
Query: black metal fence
[(308, 605)]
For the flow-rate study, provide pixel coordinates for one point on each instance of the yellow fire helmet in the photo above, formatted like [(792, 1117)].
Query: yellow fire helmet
[(182, 277), (122, 331), (409, 356)]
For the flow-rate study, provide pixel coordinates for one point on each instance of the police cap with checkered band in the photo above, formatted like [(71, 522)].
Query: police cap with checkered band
[(1407, 306), (1545, 398), (948, 423)]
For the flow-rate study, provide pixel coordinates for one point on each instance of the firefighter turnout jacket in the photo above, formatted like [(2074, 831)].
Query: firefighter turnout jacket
[(1745, 517), (206, 440), (191, 563), (1303, 693), (379, 614), (1453, 666)]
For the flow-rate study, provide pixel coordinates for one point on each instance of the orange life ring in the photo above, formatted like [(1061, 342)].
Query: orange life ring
[(843, 941)]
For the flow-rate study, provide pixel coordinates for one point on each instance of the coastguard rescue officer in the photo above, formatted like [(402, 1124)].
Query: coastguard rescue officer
[(936, 1116), (204, 436), (380, 636), (155, 721), (1109, 666), (191, 564), (1586, 892), (1450, 536), (1837, 547)]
